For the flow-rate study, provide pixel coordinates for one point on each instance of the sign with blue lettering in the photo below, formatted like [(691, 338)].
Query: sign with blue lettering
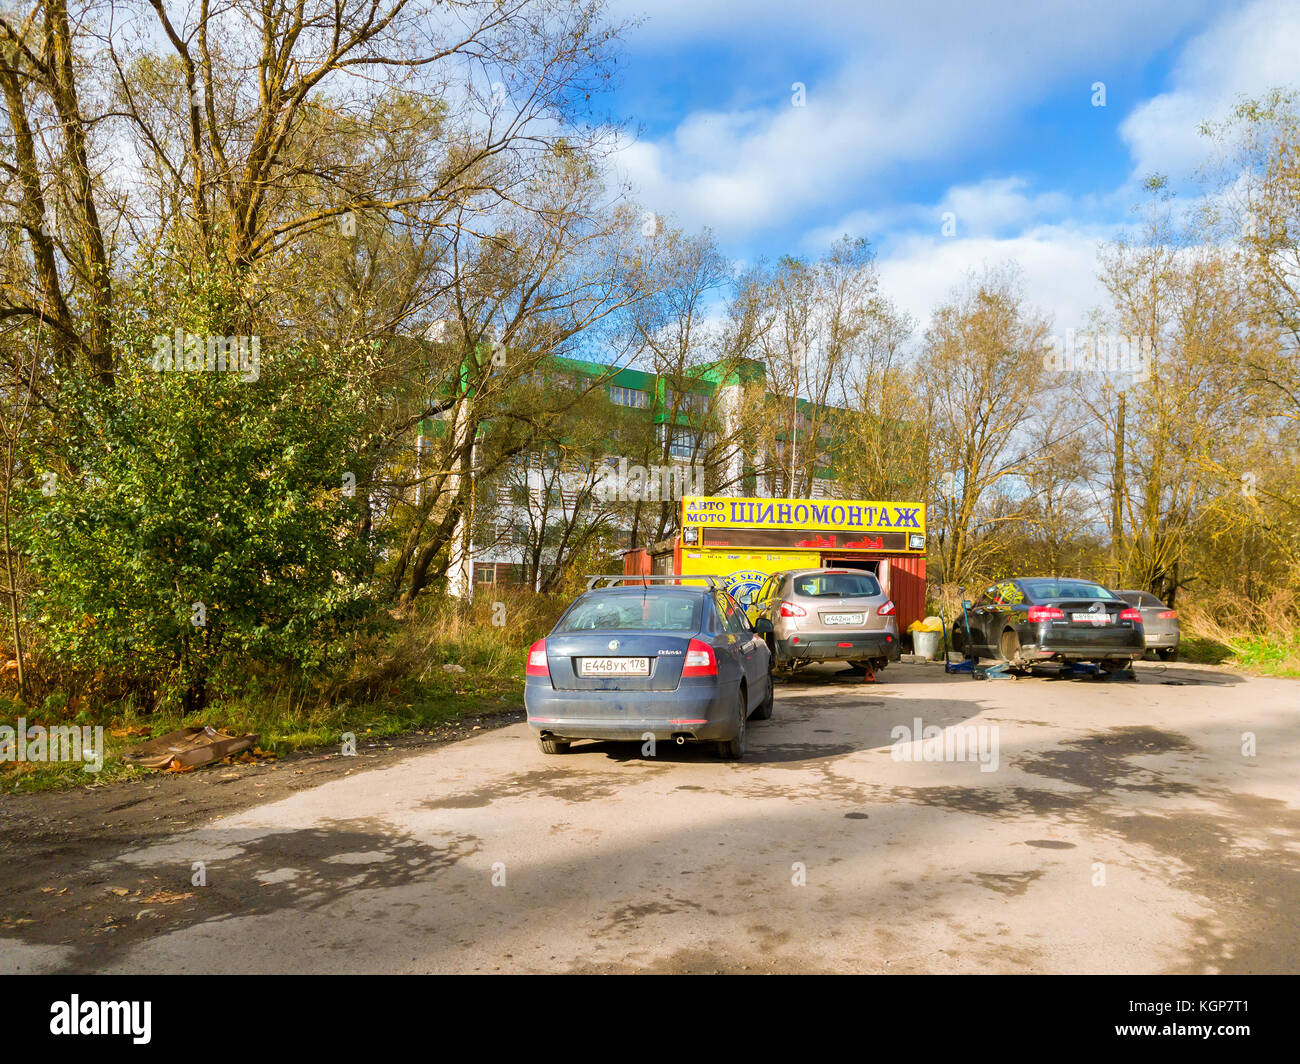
[(819, 515)]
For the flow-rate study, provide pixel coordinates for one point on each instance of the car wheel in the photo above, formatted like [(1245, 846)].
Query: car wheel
[(554, 746), (764, 710), (1167, 653), (1010, 645), (733, 749)]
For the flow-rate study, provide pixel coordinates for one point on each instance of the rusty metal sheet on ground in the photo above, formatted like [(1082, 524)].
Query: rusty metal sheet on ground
[(188, 748)]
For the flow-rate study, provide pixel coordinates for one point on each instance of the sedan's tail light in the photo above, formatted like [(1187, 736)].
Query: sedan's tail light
[(1045, 613), (537, 660), (793, 609), (1131, 615), (886, 609), (700, 660), (1167, 615)]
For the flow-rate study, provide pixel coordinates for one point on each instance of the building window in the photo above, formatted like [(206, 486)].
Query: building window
[(687, 402), (628, 396), (683, 441), (485, 573)]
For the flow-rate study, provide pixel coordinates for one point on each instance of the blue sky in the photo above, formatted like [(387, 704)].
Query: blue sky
[(916, 109)]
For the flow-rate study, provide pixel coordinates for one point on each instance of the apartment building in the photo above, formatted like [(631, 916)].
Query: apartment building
[(698, 435)]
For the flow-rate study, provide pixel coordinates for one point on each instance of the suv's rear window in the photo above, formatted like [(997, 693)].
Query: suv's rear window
[(656, 609), (819, 585)]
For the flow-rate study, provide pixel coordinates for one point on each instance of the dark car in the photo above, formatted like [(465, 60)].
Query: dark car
[(680, 663), (1051, 619), (1159, 623)]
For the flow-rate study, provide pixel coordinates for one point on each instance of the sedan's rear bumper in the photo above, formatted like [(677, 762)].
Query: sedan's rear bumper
[(838, 646), (1161, 640), (696, 712), (1124, 646)]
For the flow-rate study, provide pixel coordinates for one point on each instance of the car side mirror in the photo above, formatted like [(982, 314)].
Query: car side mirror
[(764, 626)]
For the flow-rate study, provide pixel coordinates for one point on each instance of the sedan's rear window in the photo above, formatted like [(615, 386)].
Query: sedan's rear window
[(840, 585), (1065, 589), (1141, 598), (656, 609)]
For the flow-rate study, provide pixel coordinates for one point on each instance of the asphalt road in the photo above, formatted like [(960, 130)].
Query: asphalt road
[(1122, 830)]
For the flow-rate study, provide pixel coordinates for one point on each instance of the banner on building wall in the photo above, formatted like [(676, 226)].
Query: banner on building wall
[(822, 515)]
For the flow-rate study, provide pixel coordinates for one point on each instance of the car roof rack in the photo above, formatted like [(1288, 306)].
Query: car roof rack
[(636, 580)]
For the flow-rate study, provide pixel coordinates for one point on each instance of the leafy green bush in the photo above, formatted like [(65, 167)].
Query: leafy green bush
[(201, 521)]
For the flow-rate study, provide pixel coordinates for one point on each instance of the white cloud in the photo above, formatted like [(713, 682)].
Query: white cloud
[(1058, 265), (1243, 52), (738, 171), (920, 83), (987, 208)]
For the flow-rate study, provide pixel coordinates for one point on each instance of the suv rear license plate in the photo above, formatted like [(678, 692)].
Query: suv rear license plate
[(613, 666), (842, 618), (1090, 618)]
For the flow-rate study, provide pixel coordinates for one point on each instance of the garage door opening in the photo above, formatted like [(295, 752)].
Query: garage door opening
[(866, 565)]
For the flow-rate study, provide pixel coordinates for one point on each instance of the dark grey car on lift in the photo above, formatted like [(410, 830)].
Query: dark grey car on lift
[(1030, 620)]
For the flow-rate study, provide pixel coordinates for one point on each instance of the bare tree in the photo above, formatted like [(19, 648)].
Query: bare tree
[(984, 367)]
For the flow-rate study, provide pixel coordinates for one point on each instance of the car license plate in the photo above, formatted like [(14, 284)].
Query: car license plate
[(613, 666), (1090, 618), (842, 618)]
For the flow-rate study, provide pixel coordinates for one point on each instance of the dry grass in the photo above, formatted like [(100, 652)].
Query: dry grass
[(1260, 635), (488, 638), (395, 680)]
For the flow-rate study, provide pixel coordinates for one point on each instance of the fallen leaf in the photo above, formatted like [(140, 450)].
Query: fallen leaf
[(165, 897), (121, 892)]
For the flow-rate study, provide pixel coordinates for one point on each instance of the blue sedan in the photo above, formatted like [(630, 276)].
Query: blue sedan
[(679, 663)]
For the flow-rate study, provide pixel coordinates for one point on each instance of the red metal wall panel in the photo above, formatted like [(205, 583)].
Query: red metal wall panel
[(637, 562), (907, 588)]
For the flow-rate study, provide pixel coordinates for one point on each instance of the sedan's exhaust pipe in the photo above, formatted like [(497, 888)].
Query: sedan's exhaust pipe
[(681, 740)]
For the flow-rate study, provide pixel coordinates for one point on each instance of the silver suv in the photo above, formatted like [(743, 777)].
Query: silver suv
[(826, 615)]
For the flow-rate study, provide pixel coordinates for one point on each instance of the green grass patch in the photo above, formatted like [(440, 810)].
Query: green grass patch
[(1202, 650), (1268, 655), (1265, 655)]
